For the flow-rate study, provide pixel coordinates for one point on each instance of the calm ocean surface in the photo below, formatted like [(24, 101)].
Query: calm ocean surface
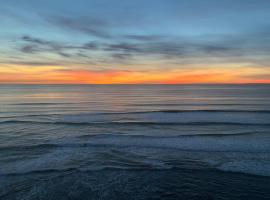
[(134, 142)]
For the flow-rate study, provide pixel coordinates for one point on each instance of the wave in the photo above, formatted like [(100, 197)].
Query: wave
[(28, 147), (208, 143), (248, 167), (244, 152), (138, 123), (199, 104), (40, 104), (44, 171), (245, 167), (155, 117), (164, 111), (189, 143), (192, 117), (196, 111), (161, 111), (159, 117), (231, 154)]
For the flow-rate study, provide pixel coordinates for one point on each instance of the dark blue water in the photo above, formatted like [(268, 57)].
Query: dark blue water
[(134, 142)]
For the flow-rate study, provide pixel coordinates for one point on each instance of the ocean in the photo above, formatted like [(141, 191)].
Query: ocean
[(134, 142)]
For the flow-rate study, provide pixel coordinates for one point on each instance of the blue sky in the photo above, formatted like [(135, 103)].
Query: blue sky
[(147, 35)]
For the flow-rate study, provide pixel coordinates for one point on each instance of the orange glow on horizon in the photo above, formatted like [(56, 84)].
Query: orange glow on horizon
[(61, 75)]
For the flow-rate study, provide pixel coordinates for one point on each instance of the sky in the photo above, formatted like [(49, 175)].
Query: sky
[(130, 42)]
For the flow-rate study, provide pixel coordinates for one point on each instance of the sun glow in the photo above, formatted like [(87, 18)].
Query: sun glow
[(62, 75)]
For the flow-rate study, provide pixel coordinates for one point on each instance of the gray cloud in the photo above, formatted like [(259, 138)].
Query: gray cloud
[(144, 37), (169, 49), (35, 45), (35, 40), (235, 47), (29, 49), (126, 47), (31, 63), (90, 26), (242, 46)]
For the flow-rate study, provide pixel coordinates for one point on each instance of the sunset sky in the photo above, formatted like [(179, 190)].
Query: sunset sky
[(128, 41)]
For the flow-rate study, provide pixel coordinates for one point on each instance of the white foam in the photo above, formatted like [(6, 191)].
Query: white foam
[(246, 154)]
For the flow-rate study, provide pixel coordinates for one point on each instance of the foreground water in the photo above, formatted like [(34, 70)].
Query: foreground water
[(135, 142)]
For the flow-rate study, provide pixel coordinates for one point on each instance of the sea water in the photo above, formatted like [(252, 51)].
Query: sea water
[(134, 142)]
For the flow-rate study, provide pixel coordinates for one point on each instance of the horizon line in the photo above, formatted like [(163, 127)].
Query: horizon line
[(1, 84)]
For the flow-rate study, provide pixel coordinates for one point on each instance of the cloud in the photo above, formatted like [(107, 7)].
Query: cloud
[(167, 49), (35, 40), (87, 25), (247, 47), (29, 49), (31, 63), (144, 37), (243, 46), (127, 47), (35, 45)]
